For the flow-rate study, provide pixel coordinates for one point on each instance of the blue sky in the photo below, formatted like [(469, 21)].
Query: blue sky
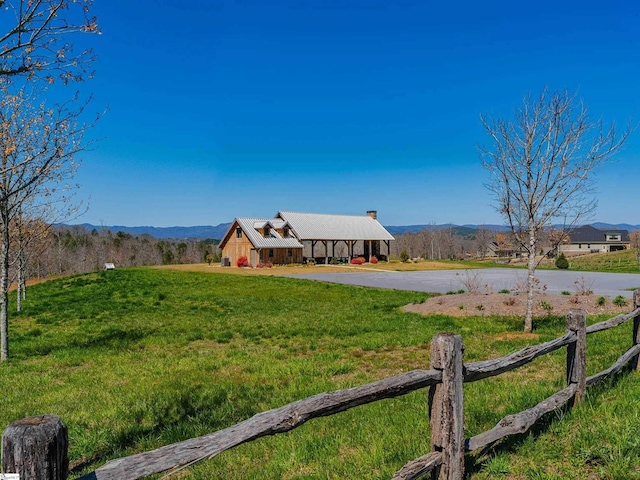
[(218, 108)]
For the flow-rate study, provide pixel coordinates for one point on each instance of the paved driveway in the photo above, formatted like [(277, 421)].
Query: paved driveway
[(442, 281)]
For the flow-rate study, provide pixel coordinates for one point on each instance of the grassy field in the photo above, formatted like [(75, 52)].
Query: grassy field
[(133, 359), (624, 261)]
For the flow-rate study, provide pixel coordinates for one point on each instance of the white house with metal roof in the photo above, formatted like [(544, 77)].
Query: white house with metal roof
[(292, 237)]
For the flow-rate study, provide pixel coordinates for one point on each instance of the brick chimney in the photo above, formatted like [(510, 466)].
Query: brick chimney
[(373, 214)]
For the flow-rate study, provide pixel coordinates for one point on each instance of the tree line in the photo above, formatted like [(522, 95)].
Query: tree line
[(444, 243), (69, 250)]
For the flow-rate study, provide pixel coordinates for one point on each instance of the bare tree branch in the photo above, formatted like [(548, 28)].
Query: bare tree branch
[(541, 166)]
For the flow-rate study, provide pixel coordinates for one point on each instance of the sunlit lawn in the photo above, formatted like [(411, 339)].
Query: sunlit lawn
[(134, 359)]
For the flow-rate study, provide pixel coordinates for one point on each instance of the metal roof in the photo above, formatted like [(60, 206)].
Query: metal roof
[(274, 240), (320, 226)]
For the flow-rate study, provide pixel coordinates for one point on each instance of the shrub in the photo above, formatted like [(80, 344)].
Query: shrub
[(620, 301), (358, 261), (546, 305), (374, 260), (404, 256), (243, 261), (601, 302), (562, 262), (504, 290), (583, 286)]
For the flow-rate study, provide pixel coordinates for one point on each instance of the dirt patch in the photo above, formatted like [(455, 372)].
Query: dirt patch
[(504, 304)]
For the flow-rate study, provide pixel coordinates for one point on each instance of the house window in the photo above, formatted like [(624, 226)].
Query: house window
[(270, 252), (613, 238), (285, 232), (579, 245), (238, 232), (588, 245), (267, 232), (289, 252)]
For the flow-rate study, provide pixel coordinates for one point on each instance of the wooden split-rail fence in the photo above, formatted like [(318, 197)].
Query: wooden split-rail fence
[(446, 406)]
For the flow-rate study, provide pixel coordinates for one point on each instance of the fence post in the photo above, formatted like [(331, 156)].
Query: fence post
[(446, 406), (577, 353), (36, 448), (635, 363)]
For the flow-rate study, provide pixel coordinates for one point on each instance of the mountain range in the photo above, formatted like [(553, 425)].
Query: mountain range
[(218, 231)]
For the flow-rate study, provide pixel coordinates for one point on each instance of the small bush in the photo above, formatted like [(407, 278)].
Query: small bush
[(357, 261), (620, 301), (546, 305), (565, 292), (243, 261), (404, 256), (510, 302), (562, 262), (374, 260), (480, 307), (601, 302), (504, 290), (583, 286)]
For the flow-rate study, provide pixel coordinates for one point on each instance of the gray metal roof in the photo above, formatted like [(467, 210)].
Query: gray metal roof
[(274, 240), (320, 226)]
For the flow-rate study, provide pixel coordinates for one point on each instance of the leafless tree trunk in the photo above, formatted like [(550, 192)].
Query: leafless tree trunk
[(634, 236), (541, 166), (483, 237)]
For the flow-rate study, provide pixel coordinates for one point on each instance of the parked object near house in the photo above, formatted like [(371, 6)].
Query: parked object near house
[(588, 239), (291, 236), (109, 266)]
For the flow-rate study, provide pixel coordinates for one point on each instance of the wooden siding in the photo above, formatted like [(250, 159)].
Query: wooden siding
[(237, 247), (281, 256)]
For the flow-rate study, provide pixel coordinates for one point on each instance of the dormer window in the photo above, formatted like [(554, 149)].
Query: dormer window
[(613, 238), (238, 232), (267, 231), (285, 232)]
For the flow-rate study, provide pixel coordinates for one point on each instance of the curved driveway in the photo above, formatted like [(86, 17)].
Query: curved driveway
[(442, 281)]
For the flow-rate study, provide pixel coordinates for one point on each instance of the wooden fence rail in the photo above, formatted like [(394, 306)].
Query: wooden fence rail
[(446, 406)]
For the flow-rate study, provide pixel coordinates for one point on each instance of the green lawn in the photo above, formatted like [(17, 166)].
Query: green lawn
[(134, 359), (624, 261)]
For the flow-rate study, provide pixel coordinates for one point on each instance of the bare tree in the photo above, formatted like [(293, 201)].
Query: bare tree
[(35, 44), (38, 147), (483, 238), (634, 236), (541, 164)]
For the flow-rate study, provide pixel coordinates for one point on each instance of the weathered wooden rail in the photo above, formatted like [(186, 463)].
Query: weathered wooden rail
[(446, 407)]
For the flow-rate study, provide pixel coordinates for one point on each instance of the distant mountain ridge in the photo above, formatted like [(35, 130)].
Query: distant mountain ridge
[(218, 231), (201, 231)]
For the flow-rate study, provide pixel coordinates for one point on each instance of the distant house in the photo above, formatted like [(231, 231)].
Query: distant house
[(588, 239), (291, 237)]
